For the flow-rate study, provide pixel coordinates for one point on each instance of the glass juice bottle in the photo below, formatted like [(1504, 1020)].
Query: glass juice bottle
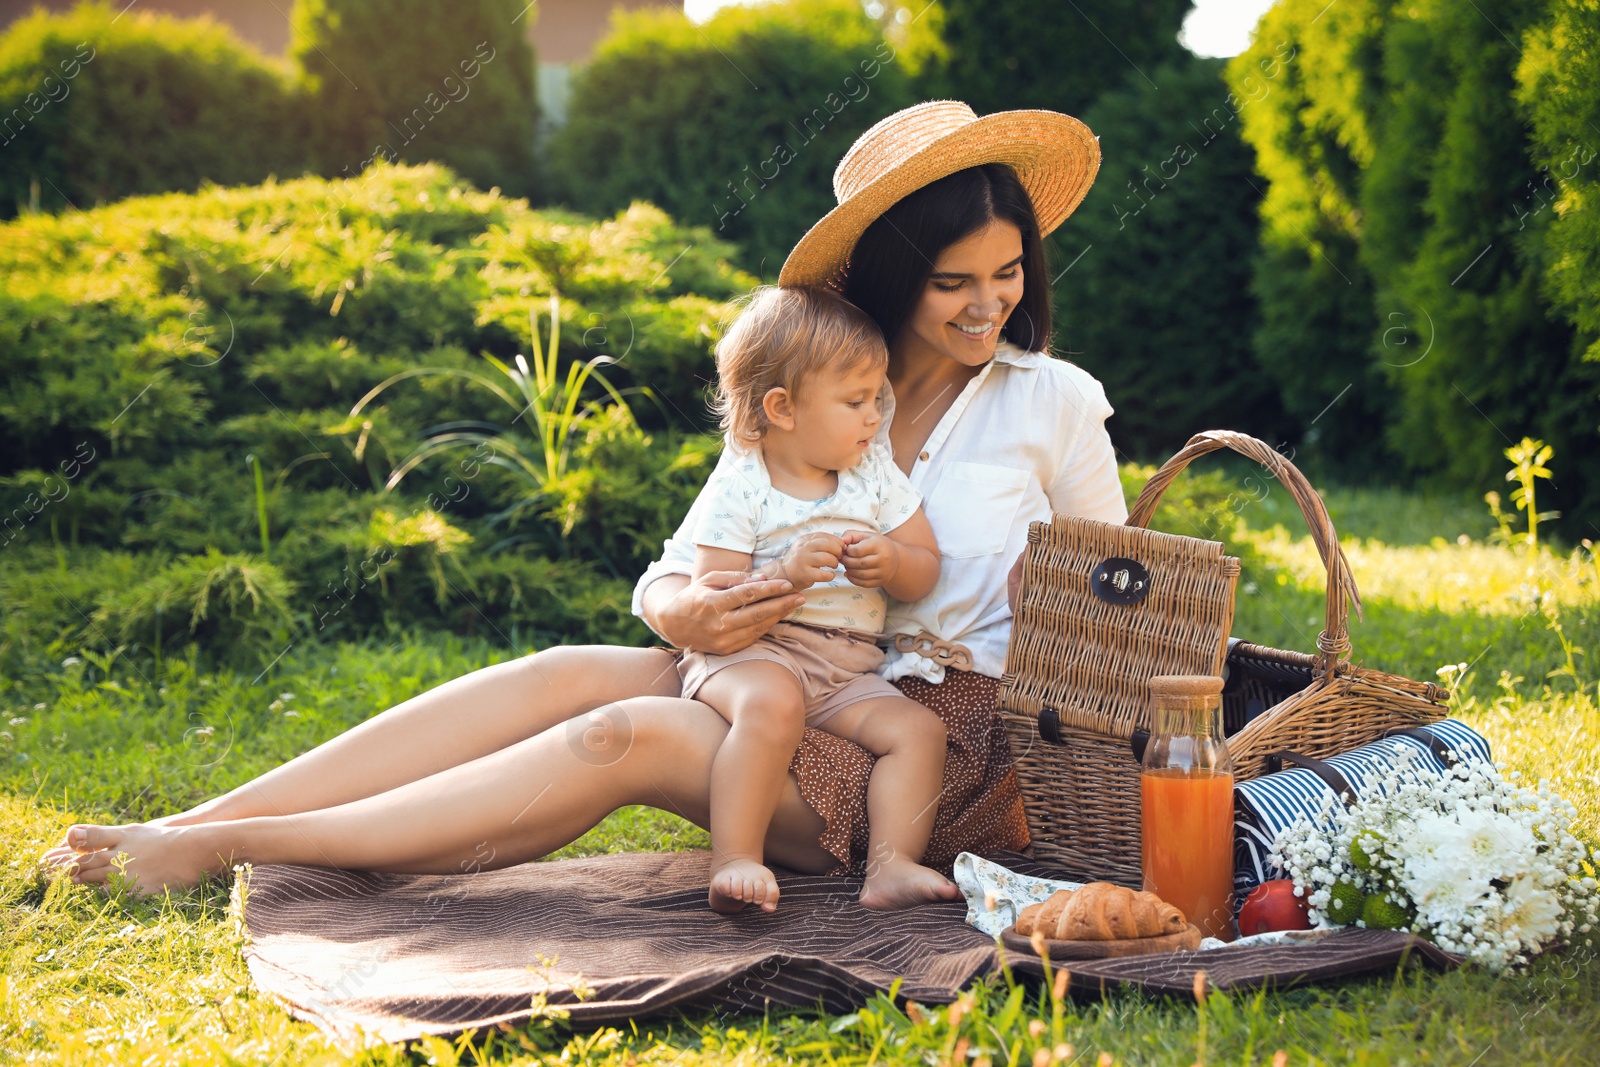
[(1187, 792)]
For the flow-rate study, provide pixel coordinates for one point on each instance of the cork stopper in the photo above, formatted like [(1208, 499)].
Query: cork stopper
[(1185, 685), (1186, 703)]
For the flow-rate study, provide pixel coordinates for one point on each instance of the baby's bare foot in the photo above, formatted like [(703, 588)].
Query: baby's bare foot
[(740, 882), (152, 858), (903, 884)]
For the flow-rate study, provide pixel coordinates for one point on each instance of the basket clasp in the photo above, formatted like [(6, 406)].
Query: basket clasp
[(1120, 580)]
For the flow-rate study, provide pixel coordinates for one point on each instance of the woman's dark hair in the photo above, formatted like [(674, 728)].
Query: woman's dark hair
[(890, 265)]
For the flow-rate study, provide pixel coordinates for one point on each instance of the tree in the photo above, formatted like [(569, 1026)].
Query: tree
[(413, 81), (736, 124), (1000, 55), (1154, 297), (1399, 157), (1558, 85), (1310, 81), (1448, 247)]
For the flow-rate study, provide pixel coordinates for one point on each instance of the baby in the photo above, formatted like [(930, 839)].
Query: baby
[(808, 489)]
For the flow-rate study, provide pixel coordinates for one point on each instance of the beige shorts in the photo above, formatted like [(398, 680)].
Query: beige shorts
[(835, 667)]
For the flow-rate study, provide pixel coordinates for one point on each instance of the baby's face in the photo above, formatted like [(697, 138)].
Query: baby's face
[(836, 416)]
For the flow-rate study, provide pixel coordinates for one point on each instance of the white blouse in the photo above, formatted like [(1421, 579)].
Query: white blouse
[(1025, 438)]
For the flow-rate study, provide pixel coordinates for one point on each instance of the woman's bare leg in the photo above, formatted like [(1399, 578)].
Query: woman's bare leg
[(513, 805), (453, 723)]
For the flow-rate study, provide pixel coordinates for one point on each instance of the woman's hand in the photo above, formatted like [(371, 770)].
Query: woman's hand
[(719, 612), (1014, 583)]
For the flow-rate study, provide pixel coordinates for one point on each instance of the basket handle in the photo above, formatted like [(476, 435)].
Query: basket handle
[(1333, 644)]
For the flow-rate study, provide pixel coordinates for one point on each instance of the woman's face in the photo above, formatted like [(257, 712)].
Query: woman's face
[(974, 285)]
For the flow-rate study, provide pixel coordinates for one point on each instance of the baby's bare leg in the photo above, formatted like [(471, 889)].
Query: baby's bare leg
[(766, 712), (902, 797)]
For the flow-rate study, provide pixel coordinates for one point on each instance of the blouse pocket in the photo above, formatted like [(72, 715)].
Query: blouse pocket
[(974, 506)]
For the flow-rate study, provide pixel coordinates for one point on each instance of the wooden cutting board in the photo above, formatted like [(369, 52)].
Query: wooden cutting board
[(1097, 950)]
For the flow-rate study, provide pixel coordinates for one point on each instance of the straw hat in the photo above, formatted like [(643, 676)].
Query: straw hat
[(1054, 155)]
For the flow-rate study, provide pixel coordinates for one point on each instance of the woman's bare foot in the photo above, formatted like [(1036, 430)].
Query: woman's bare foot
[(902, 884), (740, 882), (63, 853), (152, 858)]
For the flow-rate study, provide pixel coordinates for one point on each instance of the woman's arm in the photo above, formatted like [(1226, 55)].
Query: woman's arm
[(1086, 481), (715, 611)]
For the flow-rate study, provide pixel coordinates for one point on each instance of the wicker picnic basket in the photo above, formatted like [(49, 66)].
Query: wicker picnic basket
[(1103, 608)]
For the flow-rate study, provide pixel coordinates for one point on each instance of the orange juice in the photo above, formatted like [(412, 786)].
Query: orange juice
[(1188, 844)]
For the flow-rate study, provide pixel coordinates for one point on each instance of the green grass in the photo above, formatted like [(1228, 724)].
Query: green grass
[(93, 979), (1393, 516)]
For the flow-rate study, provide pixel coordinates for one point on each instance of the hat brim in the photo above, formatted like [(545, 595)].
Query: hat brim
[(1055, 156)]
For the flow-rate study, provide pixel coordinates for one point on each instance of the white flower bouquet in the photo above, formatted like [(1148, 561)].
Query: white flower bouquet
[(1465, 857)]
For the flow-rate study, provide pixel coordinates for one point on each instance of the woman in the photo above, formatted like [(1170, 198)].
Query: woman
[(938, 236)]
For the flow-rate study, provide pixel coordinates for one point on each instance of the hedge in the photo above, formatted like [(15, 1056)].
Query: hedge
[(157, 350)]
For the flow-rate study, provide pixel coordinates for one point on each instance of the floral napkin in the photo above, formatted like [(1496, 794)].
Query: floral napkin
[(996, 895)]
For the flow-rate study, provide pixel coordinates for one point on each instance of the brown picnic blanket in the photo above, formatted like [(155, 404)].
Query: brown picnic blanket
[(392, 957)]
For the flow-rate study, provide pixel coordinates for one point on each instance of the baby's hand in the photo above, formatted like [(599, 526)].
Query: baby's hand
[(811, 560), (870, 560)]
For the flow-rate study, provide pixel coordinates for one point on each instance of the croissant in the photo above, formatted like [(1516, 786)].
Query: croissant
[(1101, 911)]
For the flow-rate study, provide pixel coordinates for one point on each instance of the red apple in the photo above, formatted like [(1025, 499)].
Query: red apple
[(1273, 906)]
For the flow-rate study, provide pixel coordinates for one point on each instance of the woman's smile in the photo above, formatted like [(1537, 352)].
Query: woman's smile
[(974, 286)]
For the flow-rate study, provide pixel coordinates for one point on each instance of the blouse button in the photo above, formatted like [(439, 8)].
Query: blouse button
[(923, 457)]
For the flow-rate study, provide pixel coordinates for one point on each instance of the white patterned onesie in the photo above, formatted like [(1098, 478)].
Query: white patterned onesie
[(829, 642)]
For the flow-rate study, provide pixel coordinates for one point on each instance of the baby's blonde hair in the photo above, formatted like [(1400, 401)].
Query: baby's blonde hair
[(780, 338)]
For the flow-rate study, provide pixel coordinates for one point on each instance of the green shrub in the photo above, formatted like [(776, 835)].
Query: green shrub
[(525, 600), (236, 607), (1502, 359), (736, 123), (669, 353), (99, 104), (417, 81), (117, 347), (1198, 503), (630, 490), (640, 293), (150, 348), (232, 602)]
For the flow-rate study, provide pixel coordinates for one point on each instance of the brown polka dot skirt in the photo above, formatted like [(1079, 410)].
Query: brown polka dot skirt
[(980, 807)]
